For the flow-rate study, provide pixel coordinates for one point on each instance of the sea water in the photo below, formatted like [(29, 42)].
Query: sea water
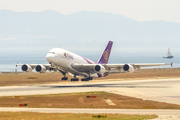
[(8, 61)]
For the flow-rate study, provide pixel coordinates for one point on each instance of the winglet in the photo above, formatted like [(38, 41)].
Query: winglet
[(16, 64), (172, 64), (105, 56)]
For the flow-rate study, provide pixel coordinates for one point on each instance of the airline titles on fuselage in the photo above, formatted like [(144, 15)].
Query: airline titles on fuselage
[(68, 56)]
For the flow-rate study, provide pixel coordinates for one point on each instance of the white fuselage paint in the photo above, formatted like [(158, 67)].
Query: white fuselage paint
[(63, 59)]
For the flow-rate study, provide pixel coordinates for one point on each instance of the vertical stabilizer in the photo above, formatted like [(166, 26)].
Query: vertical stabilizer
[(105, 55)]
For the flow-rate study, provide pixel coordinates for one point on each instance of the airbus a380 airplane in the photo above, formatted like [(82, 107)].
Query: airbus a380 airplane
[(73, 64)]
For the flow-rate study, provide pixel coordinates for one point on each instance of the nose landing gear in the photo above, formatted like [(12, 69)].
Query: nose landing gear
[(64, 78), (64, 73)]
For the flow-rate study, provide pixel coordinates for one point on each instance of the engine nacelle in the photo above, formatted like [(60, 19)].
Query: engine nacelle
[(40, 68), (99, 69), (128, 68), (26, 68)]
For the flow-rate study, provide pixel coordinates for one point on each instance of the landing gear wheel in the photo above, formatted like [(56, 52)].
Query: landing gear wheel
[(64, 78), (87, 79), (90, 78), (74, 79), (64, 73)]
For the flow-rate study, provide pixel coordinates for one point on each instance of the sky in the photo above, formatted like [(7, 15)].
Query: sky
[(140, 10)]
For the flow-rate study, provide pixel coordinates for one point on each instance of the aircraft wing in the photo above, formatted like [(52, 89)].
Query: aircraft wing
[(116, 68), (112, 68), (84, 67), (90, 68), (38, 67), (34, 65), (135, 65)]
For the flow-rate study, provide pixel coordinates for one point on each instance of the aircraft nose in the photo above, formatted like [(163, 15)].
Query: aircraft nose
[(49, 57)]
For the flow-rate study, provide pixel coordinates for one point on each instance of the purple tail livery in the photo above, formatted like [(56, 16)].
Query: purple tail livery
[(105, 56)]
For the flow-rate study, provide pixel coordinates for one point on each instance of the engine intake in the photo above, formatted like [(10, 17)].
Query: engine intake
[(26, 68), (40, 68), (100, 69), (128, 68)]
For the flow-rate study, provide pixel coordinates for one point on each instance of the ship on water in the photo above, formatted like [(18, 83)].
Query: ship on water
[(168, 55)]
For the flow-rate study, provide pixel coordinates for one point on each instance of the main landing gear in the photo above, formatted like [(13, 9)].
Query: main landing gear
[(64, 78), (87, 79), (74, 79)]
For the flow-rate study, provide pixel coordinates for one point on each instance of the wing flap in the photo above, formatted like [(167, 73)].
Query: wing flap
[(150, 64), (135, 65)]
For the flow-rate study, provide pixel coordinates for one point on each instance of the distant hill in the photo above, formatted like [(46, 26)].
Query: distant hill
[(43, 30)]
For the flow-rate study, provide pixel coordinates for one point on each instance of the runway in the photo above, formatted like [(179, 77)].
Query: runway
[(113, 111), (163, 90)]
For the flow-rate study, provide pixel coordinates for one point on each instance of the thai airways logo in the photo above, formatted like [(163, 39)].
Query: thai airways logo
[(67, 55), (64, 54), (106, 55)]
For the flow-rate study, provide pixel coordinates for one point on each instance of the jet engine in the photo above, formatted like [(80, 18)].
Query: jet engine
[(26, 68), (99, 69), (128, 68), (40, 68)]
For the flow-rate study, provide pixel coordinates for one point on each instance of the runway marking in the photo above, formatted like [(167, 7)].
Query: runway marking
[(108, 101)]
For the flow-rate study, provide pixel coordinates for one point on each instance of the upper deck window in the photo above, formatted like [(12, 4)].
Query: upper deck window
[(52, 52)]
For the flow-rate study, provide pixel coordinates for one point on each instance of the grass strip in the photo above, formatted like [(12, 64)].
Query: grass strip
[(69, 116)]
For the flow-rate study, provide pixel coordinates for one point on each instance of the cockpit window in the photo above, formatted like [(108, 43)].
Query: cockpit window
[(52, 52)]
